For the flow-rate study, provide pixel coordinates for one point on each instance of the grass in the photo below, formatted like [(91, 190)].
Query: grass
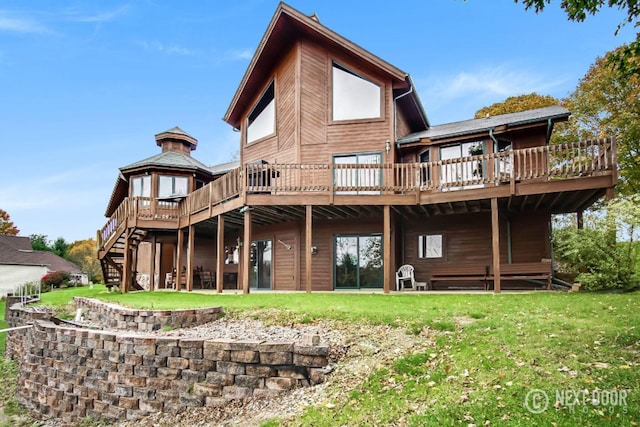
[(3, 325), (491, 351)]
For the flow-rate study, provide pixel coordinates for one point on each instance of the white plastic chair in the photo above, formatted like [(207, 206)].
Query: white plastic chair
[(404, 275)]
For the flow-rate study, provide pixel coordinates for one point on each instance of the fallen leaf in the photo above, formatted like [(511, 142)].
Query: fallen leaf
[(600, 365)]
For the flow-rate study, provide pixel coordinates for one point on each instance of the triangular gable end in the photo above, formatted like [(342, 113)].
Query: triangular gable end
[(287, 24)]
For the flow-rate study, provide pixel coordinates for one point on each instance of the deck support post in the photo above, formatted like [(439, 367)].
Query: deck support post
[(190, 255), (126, 266), (152, 267), (220, 255), (246, 251), (178, 268), (386, 245), (307, 247), (580, 220), (495, 243)]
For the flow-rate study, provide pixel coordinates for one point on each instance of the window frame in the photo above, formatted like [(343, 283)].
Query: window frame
[(359, 173), (173, 185), (423, 249), (260, 103), (381, 86), (142, 179)]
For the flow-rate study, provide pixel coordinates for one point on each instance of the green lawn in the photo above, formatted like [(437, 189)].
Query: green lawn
[(491, 352)]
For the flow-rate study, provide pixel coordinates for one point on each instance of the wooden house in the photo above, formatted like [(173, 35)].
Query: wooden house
[(342, 179)]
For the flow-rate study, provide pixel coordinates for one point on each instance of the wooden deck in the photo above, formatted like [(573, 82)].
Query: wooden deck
[(539, 176)]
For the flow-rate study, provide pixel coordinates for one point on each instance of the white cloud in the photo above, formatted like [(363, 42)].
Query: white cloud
[(238, 54), (169, 49), (458, 96), (16, 24), (103, 16)]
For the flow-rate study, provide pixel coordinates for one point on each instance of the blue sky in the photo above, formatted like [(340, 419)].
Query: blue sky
[(85, 85)]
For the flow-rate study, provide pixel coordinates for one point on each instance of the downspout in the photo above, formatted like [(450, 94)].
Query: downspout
[(549, 130), (402, 95)]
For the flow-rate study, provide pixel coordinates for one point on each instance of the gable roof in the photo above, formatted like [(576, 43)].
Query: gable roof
[(468, 127), (288, 25), (17, 250)]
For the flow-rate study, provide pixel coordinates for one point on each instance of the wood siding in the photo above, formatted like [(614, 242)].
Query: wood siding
[(314, 111)]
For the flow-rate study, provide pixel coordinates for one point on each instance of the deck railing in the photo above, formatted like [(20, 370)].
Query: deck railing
[(550, 162)]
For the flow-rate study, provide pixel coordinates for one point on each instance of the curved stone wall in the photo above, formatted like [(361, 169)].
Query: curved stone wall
[(74, 373)]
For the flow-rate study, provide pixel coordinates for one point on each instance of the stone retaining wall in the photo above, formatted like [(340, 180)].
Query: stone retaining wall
[(113, 316), (73, 373)]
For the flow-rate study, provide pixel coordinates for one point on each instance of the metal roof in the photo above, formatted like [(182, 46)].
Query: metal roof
[(466, 127)]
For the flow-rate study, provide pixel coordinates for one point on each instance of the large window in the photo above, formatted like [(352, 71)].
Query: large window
[(358, 262), (262, 119), (356, 178), (354, 97), (459, 174), (173, 186), (141, 186)]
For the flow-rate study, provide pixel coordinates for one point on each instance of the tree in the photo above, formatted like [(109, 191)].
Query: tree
[(60, 247), (515, 104), (578, 10), (40, 242), (6, 225), (83, 254), (607, 103), (601, 255)]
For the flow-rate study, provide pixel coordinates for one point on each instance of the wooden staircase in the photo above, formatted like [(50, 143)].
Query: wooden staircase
[(112, 257)]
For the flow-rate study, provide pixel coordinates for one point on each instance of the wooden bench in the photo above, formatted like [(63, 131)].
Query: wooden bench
[(464, 273), (525, 271)]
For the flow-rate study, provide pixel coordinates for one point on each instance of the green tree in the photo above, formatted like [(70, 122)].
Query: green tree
[(6, 225), (607, 103), (601, 255), (83, 254), (40, 242), (60, 247), (578, 10), (515, 104)]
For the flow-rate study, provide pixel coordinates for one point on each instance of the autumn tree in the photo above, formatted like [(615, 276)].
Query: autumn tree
[(6, 225), (515, 104), (607, 103), (83, 254), (578, 10)]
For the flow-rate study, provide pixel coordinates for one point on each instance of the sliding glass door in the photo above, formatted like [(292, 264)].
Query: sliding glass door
[(260, 264), (358, 262)]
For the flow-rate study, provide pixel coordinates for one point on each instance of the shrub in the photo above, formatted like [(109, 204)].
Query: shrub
[(56, 278), (601, 255)]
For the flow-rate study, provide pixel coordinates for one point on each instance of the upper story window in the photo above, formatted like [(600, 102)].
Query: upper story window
[(262, 119), (172, 186), (141, 186), (354, 97)]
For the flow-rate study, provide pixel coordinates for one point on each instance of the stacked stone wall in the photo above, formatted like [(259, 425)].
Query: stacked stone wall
[(113, 316), (73, 373)]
